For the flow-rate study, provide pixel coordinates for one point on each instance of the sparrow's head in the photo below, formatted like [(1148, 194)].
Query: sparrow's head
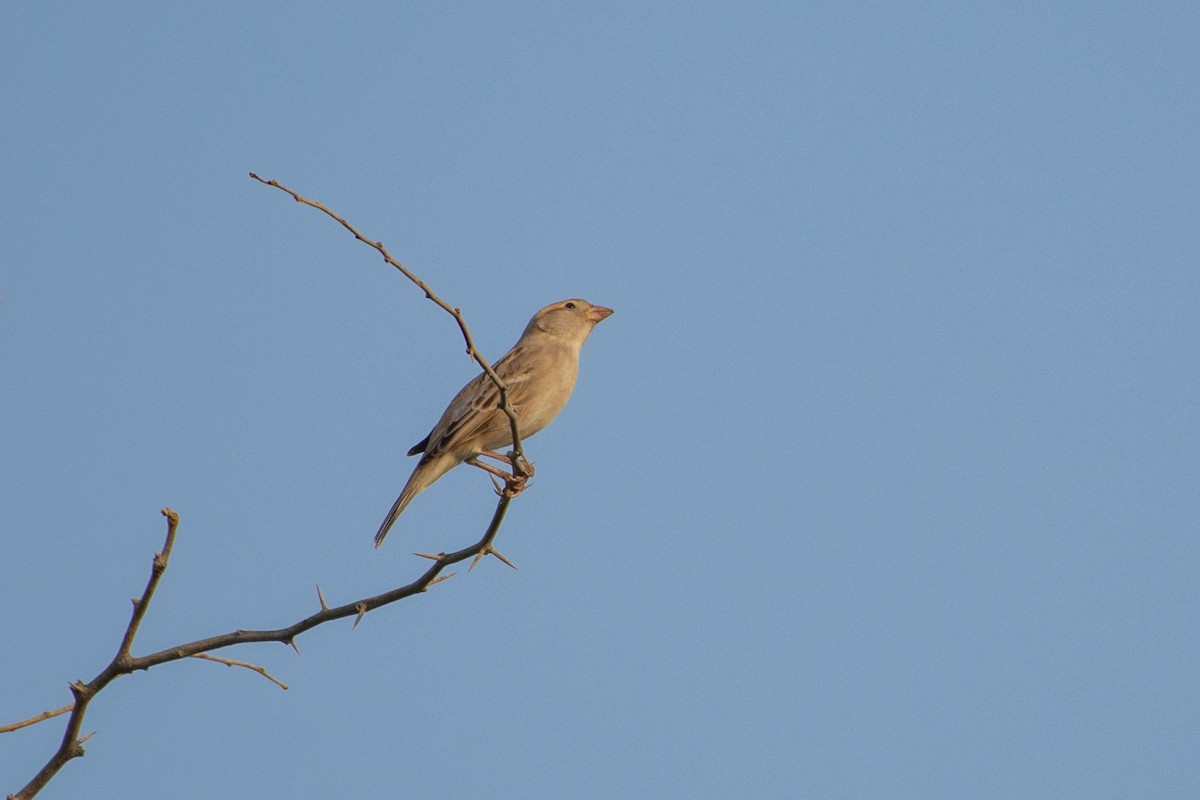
[(571, 320)]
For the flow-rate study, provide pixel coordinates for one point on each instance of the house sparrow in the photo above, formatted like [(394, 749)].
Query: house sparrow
[(539, 372)]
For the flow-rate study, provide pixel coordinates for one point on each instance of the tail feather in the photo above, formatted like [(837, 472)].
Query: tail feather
[(403, 500), (425, 474)]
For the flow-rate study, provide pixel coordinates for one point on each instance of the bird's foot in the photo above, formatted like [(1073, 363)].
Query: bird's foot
[(507, 484), (513, 486), (488, 468), (518, 463)]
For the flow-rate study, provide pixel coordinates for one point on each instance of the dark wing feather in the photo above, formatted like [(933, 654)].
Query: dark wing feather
[(419, 447)]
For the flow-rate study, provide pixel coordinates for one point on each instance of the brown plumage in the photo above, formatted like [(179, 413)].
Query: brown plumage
[(539, 372)]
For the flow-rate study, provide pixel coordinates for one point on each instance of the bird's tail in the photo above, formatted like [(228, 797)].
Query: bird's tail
[(425, 474)]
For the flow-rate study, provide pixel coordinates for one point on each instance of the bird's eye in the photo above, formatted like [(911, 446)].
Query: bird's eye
[(569, 305)]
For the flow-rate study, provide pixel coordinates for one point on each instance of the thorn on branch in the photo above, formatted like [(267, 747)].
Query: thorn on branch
[(439, 579), (362, 610), (500, 556), (486, 550)]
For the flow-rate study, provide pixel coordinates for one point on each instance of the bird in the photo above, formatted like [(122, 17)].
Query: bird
[(539, 373)]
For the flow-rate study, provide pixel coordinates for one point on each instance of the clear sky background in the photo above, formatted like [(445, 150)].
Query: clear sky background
[(882, 482)]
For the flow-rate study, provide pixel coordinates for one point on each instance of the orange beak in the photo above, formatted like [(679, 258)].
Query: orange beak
[(597, 313)]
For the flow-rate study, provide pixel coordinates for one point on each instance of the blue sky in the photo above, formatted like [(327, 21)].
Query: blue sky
[(882, 482)]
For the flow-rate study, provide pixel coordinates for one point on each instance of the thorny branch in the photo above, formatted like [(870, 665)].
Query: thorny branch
[(125, 663)]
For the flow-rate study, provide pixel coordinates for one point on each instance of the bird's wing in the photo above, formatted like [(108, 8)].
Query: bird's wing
[(474, 411)]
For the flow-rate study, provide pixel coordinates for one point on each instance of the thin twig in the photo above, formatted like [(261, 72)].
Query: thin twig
[(45, 715), (229, 662), (519, 462)]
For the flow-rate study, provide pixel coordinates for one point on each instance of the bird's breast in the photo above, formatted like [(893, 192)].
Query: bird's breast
[(550, 392)]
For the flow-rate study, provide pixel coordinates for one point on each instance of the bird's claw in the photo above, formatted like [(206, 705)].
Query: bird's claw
[(506, 484), (513, 486)]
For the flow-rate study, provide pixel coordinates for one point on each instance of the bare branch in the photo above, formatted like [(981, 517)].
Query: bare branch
[(122, 664), (142, 603), (520, 463)]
